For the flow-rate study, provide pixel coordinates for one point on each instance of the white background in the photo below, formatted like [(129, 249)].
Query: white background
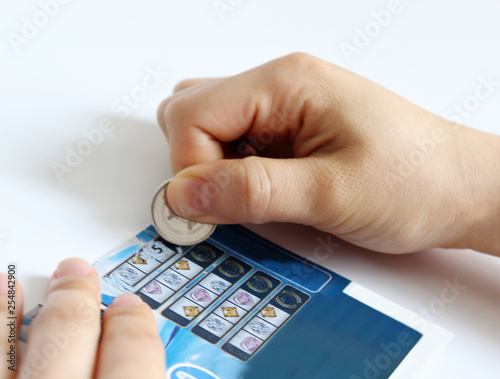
[(64, 80)]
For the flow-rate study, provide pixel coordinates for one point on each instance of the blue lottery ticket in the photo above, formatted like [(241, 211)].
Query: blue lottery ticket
[(239, 306)]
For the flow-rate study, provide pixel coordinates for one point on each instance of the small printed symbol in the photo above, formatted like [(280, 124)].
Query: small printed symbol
[(139, 260), (216, 325), (152, 288), (182, 265), (199, 294), (218, 286), (243, 298), (128, 273), (250, 344), (260, 328), (190, 311), (268, 312), (230, 312)]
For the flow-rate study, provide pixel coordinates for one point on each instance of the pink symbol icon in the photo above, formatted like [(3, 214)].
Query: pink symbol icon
[(250, 344), (243, 298), (152, 288), (199, 294)]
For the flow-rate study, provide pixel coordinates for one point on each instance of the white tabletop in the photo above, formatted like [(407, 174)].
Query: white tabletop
[(65, 67)]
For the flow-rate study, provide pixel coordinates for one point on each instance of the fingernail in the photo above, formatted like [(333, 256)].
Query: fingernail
[(72, 267), (126, 299), (188, 196), (3, 284)]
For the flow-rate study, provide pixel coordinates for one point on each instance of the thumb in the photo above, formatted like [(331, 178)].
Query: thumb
[(252, 189)]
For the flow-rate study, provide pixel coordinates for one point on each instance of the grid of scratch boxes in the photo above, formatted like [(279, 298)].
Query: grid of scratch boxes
[(212, 291)]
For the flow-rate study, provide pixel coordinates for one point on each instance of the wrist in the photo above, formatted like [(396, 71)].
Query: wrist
[(479, 160)]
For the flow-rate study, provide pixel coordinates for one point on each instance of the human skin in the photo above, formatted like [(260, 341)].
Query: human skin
[(67, 339), (302, 140)]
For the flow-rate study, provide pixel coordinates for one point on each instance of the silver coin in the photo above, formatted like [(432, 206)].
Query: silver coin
[(173, 228)]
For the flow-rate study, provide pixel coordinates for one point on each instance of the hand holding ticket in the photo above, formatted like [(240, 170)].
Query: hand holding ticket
[(363, 163)]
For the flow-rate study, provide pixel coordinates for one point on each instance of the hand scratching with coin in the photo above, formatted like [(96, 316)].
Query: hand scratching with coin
[(301, 140), (295, 140)]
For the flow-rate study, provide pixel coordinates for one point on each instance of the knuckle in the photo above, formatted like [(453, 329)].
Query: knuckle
[(134, 335), (57, 317), (78, 286), (71, 299), (160, 115), (298, 62), (298, 74), (300, 59), (254, 184), (183, 84), (173, 112), (170, 113), (130, 324)]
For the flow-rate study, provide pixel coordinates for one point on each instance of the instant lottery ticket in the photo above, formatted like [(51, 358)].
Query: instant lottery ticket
[(239, 306)]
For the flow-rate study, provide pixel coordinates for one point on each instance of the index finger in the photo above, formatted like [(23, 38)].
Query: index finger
[(199, 122), (63, 338)]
